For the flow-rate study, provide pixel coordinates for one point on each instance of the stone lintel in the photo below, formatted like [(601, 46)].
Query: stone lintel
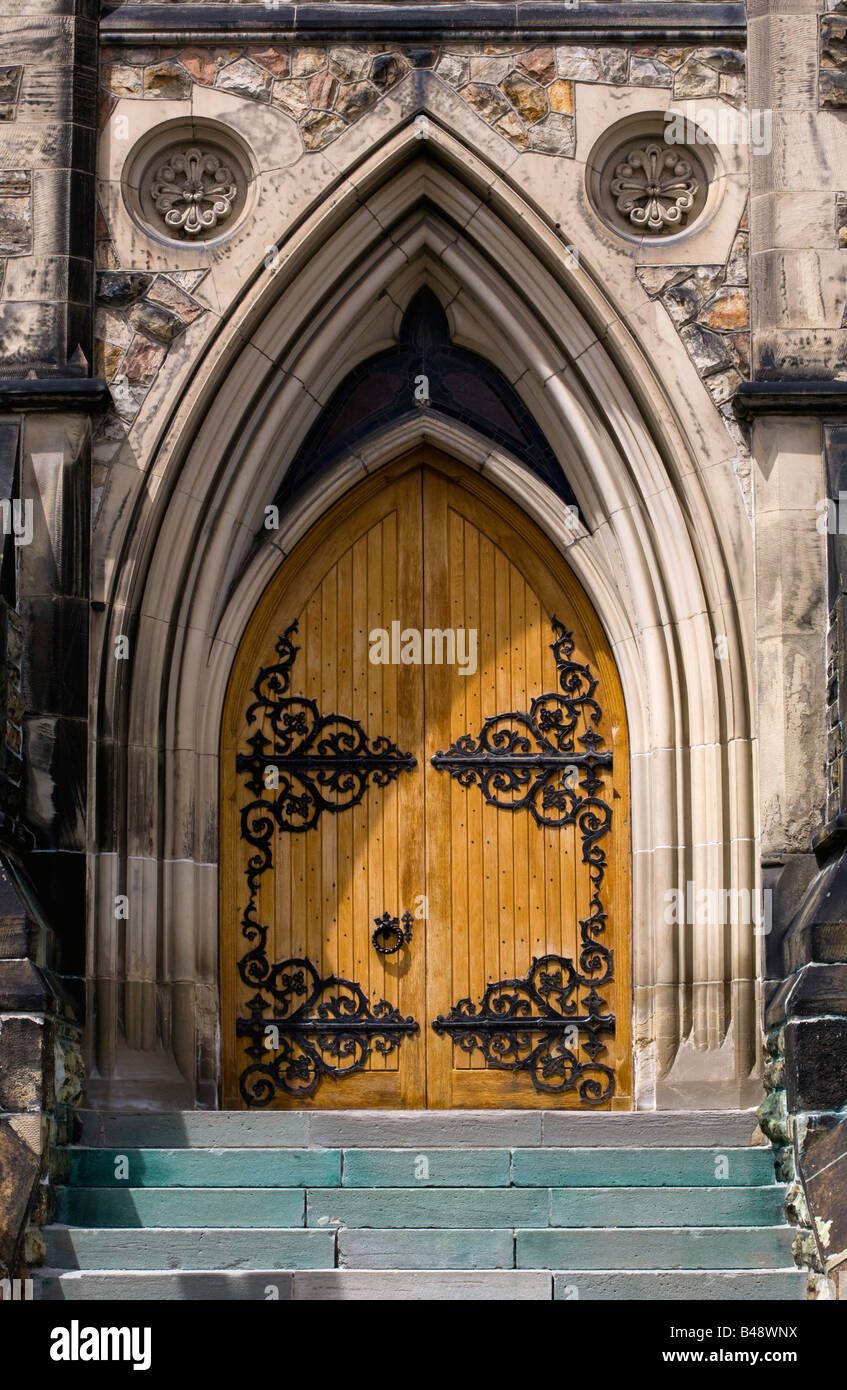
[(709, 22)]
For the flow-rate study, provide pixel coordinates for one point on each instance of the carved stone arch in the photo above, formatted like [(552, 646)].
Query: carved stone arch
[(659, 549)]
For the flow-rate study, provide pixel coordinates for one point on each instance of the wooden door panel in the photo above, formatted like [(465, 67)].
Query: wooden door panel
[(503, 889), (326, 884)]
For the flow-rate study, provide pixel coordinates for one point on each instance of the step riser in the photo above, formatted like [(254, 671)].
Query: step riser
[(349, 1285), (368, 1168), (419, 1128), (262, 1207), (427, 1248)]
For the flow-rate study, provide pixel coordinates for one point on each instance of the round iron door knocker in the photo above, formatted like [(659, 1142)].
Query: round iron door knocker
[(389, 936)]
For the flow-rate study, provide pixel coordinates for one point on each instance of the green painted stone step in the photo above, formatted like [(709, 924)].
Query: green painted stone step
[(426, 1249), (715, 1247), (643, 1167), (455, 1207), (207, 1167), (77, 1247), (181, 1206), (667, 1206), (426, 1167)]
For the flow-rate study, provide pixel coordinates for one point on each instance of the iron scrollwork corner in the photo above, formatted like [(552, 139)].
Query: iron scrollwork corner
[(540, 762), (317, 1028)]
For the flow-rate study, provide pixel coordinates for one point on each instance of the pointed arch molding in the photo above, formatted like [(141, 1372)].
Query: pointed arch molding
[(660, 546)]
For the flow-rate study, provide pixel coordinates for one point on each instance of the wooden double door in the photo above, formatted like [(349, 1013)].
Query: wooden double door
[(425, 827)]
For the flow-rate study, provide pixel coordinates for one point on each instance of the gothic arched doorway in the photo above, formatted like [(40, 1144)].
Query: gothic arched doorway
[(425, 820)]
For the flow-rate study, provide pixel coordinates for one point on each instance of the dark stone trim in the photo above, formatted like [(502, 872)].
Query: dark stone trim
[(54, 393), (790, 398), (707, 20)]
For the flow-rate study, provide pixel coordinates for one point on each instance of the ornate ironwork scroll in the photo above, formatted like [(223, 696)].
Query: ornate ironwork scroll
[(312, 763), (533, 762), (534, 1025), (322, 762), (318, 1028)]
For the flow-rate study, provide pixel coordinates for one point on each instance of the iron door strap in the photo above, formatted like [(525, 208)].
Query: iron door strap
[(315, 1028)]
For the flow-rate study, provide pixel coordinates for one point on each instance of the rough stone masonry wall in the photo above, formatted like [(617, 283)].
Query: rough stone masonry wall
[(48, 86), (798, 217)]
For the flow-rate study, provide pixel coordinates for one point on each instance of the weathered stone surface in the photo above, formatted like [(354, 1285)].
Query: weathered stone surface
[(815, 1075), (354, 100), (322, 91), (387, 69), (156, 321), (112, 327), (492, 69), (122, 80), (143, 361), (487, 100), (200, 64), (674, 57), (21, 1063), (649, 72), (656, 278), (528, 99), (10, 85), (23, 988), (167, 80), (349, 64), (15, 212), (20, 1167), (421, 56), (739, 346), (122, 288), (722, 386), (320, 127), (705, 348), (276, 60), (245, 79), (539, 63), (453, 69), (733, 88), (107, 359), (163, 291), (727, 310), (560, 97), (708, 279), (513, 129), (723, 59), (695, 79), (292, 97), (592, 65), (305, 62), (555, 134), (682, 301)]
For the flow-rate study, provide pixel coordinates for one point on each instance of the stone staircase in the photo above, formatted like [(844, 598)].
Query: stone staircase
[(420, 1205)]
